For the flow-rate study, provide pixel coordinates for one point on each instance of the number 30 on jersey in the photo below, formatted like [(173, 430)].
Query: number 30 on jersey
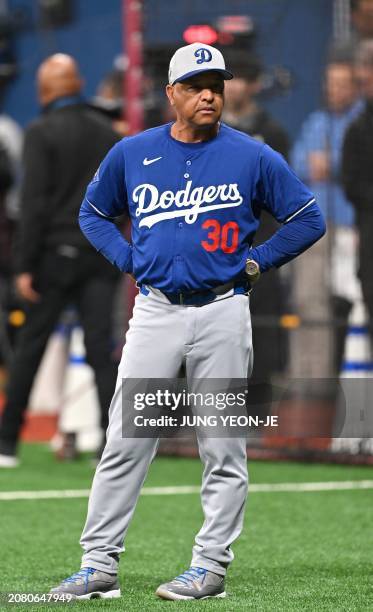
[(224, 237)]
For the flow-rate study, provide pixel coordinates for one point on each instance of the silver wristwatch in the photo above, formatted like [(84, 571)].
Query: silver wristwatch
[(252, 270)]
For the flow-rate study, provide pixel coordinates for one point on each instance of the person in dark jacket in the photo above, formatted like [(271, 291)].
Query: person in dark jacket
[(55, 265), (6, 233), (357, 174), (6, 226)]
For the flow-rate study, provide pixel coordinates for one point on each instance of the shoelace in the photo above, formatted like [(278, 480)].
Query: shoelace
[(191, 574), (84, 573)]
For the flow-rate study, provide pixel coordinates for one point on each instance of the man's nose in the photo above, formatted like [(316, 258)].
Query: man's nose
[(207, 94)]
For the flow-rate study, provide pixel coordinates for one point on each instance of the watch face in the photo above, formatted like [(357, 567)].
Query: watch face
[(251, 268)]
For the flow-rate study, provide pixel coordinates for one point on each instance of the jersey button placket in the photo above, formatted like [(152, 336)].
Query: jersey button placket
[(178, 268), (188, 164)]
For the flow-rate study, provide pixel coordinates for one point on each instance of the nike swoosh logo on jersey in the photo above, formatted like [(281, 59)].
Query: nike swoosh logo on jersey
[(147, 161)]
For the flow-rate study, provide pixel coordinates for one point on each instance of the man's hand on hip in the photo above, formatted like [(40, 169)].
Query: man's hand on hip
[(25, 289)]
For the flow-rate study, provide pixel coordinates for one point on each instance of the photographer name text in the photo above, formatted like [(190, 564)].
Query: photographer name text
[(206, 421)]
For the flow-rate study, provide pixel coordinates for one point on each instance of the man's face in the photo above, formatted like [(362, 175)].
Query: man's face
[(341, 88), (199, 100), (362, 18), (239, 92)]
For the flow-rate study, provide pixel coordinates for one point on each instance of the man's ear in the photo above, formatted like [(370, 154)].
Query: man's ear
[(170, 94)]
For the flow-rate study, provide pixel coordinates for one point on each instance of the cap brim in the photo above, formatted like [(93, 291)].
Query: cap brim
[(225, 74)]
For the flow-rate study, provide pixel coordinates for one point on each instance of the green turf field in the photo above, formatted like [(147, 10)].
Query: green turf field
[(299, 551)]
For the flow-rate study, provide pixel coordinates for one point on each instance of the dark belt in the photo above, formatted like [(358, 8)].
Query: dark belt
[(200, 298)]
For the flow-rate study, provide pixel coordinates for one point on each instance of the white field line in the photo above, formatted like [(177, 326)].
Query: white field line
[(285, 487)]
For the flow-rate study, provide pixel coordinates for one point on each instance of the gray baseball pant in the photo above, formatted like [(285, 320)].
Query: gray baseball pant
[(214, 341)]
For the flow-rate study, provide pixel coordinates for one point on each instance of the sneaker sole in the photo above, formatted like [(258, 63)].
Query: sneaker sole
[(100, 595), (163, 594)]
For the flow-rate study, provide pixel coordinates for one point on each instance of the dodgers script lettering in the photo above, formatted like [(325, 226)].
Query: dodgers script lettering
[(189, 202)]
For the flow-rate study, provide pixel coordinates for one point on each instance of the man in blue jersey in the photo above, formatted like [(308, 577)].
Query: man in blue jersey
[(194, 191)]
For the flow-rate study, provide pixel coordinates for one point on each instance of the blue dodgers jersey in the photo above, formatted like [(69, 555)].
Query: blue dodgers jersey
[(194, 208)]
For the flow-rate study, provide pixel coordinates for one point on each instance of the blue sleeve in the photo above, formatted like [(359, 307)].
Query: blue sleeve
[(291, 203), (104, 200), (290, 240)]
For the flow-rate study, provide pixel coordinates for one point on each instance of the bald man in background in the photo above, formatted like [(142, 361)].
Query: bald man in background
[(54, 263)]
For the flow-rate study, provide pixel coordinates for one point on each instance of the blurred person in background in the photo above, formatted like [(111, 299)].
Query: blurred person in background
[(11, 137), (11, 143), (316, 158), (357, 174), (55, 265), (361, 28), (6, 182), (6, 223), (6, 233), (109, 100), (243, 112), (361, 19)]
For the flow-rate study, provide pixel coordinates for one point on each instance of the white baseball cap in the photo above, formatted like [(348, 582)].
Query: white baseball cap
[(193, 59)]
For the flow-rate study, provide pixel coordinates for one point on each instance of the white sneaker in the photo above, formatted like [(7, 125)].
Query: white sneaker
[(9, 461)]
